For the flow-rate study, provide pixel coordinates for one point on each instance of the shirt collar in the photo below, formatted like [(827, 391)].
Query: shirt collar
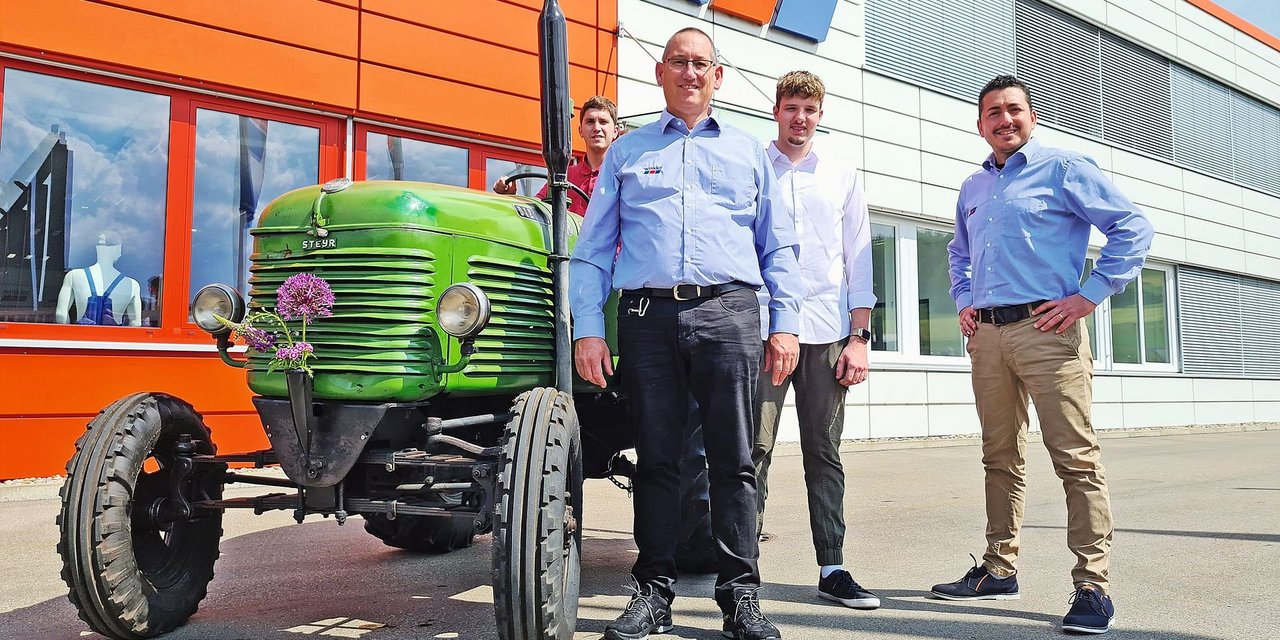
[(1029, 151), (776, 155), (667, 120)]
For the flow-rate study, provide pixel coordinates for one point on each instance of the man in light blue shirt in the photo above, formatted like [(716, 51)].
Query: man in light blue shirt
[(690, 202), (1022, 229)]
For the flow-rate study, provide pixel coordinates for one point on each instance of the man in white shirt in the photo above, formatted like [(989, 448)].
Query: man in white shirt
[(830, 211)]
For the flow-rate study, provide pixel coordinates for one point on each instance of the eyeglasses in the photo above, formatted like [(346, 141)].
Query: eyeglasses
[(700, 67)]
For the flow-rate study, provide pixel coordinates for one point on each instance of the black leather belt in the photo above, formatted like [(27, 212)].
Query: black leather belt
[(1008, 314), (689, 291)]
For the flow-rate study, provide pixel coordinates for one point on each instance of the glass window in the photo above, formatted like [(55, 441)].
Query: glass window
[(495, 168), (395, 158), (242, 164), (1140, 321), (1155, 319), (1125, 341), (82, 201), (884, 269), (939, 329)]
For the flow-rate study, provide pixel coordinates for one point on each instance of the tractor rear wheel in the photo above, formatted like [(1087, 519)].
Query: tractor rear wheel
[(537, 533), (136, 556)]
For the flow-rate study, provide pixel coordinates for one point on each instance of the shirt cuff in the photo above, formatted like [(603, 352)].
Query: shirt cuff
[(861, 300), (1095, 290), (588, 327), (963, 300), (784, 322)]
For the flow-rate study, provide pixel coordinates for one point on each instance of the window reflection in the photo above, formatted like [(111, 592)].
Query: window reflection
[(495, 168), (242, 164), (396, 158), (82, 202), (1155, 323), (884, 269), (939, 329)]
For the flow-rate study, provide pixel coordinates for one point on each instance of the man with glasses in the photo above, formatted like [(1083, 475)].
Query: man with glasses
[(691, 200)]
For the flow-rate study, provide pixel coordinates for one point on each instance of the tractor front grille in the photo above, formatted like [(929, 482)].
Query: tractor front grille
[(383, 314), (520, 338)]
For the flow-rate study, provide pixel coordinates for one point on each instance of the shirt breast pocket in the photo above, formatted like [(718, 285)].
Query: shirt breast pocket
[(733, 187), (1026, 218)]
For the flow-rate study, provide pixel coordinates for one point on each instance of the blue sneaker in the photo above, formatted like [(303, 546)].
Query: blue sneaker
[(978, 584), (1091, 612)]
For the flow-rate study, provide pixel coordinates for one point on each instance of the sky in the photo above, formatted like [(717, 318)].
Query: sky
[(1264, 14)]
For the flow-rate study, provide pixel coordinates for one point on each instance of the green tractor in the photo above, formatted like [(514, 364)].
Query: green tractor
[(443, 403)]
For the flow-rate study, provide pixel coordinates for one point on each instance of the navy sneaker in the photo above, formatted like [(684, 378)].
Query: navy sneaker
[(1091, 612), (646, 613), (841, 587), (978, 584)]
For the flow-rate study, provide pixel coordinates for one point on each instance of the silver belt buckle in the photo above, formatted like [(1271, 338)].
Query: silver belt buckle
[(675, 292)]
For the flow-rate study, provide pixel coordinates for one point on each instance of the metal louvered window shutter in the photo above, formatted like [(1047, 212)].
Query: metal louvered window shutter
[(1202, 127), (1136, 103), (1260, 308), (953, 45), (1257, 143), (1229, 324), (1059, 57)]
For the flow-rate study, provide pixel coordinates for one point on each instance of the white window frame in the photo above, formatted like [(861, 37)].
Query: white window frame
[(908, 292), (908, 281), (1104, 359)]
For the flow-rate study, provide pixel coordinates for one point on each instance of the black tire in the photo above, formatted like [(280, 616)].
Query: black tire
[(537, 533), (422, 534), (128, 577)]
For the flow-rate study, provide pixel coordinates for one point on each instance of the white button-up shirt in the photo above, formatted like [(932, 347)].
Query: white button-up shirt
[(826, 199)]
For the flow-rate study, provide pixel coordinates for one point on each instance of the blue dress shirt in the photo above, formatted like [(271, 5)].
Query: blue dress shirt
[(1022, 231), (688, 207)]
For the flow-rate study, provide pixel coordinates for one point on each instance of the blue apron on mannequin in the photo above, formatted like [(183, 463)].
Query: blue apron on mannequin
[(97, 310)]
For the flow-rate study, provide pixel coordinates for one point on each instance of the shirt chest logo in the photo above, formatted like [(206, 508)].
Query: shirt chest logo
[(652, 169)]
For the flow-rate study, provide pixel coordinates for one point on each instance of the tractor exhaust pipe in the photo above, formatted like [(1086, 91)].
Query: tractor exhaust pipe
[(553, 56)]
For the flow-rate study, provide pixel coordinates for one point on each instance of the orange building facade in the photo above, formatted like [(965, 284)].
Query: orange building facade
[(142, 137)]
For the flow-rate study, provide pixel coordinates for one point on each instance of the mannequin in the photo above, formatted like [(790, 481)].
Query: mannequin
[(101, 294)]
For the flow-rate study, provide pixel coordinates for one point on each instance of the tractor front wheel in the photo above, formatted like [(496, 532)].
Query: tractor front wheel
[(136, 556), (537, 533)]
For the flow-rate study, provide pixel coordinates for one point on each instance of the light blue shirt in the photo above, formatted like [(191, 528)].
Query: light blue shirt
[(1022, 231), (688, 207)]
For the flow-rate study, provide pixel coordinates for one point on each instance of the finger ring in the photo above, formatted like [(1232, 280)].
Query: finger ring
[(1061, 316)]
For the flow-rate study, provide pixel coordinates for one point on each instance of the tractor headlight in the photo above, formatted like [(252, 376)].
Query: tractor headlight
[(217, 299), (463, 310)]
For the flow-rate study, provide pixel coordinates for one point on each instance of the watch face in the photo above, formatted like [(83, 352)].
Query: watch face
[(865, 334)]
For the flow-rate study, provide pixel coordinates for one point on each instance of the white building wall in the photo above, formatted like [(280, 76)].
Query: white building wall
[(916, 145)]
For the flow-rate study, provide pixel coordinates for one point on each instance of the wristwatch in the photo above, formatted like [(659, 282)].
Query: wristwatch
[(863, 333)]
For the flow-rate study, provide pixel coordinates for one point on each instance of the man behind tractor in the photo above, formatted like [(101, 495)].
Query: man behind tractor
[(598, 127)]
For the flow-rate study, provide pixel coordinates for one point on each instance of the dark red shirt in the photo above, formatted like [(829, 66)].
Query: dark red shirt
[(585, 177)]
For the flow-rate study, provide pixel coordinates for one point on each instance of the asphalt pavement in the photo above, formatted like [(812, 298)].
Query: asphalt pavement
[(1196, 556)]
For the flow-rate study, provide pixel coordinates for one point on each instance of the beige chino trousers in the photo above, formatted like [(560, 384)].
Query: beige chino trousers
[(1011, 363)]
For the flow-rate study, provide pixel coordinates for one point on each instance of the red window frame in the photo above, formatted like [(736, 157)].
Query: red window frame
[(179, 196)]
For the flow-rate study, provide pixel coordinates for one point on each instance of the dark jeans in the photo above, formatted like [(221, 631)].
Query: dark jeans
[(708, 348), (820, 410)]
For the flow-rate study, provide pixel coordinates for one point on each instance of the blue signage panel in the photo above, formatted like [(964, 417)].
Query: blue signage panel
[(806, 18)]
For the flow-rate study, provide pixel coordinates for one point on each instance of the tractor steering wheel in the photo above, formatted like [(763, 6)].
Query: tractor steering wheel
[(530, 174)]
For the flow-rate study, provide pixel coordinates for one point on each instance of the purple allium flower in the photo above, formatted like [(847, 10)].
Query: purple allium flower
[(257, 338), (304, 296), (295, 352)]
